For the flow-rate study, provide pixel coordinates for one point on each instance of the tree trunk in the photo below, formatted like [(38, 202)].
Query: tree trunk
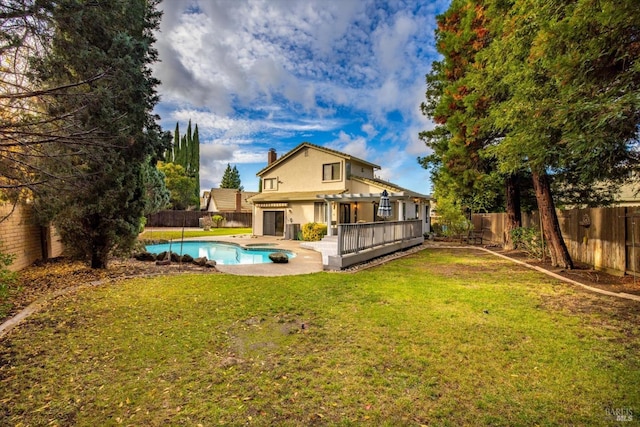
[(514, 214), (99, 256), (550, 226)]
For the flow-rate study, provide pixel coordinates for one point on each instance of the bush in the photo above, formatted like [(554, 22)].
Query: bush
[(528, 239), (143, 223), (451, 219), (217, 220), (437, 229), (7, 278), (313, 231)]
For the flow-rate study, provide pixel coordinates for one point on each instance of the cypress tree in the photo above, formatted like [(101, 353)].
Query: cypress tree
[(195, 159)]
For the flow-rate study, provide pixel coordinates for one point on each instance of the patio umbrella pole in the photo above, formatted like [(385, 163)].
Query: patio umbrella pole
[(184, 219), (384, 212)]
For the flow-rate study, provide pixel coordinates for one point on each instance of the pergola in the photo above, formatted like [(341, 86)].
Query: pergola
[(397, 197)]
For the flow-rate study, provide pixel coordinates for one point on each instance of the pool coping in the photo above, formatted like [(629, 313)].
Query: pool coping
[(306, 261)]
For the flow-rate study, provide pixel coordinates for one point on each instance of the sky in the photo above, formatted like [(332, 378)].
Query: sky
[(347, 75)]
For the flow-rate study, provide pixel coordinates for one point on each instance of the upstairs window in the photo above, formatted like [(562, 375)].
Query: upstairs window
[(269, 184), (331, 172)]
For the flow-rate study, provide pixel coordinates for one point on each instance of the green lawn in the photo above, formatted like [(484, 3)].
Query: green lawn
[(177, 234), (436, 338)]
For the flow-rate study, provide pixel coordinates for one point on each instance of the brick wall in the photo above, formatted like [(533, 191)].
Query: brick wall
[(21, 236)]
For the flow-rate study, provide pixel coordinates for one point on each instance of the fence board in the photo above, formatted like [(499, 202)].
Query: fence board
[(192, 218), (632, 246)]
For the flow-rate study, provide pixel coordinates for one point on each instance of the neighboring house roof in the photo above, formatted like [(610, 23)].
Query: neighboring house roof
[(388, 186), (224, 200), (317, 147)]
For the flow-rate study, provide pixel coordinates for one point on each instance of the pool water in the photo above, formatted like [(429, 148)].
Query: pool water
[(222, 253)]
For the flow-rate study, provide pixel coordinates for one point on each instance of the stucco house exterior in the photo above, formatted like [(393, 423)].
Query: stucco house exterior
[(629, 194), (311, 183)]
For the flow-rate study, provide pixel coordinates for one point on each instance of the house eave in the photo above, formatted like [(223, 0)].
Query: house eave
[(318, 147)]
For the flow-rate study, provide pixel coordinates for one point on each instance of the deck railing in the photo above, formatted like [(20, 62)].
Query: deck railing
[(353, 238)]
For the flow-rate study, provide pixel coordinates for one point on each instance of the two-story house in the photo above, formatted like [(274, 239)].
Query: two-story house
[(311, 183)]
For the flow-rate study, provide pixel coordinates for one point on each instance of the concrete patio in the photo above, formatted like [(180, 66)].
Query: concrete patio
[(306, 261)]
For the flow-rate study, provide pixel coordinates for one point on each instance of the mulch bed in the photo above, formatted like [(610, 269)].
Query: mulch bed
[(584, 274)]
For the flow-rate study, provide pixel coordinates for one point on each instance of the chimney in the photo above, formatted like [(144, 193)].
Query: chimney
[(239, 201), (271, 156)]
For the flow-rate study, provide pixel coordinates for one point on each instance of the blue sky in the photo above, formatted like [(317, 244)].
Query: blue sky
[(255, 75)]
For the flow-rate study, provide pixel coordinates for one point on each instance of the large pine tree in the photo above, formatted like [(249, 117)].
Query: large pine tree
[(114, 39), (461, 169), (560, 81), (231, 178)]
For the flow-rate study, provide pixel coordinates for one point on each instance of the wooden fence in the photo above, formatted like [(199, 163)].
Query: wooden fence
[(192, 218), (606, 238)]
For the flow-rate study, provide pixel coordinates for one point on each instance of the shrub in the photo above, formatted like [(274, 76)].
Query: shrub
[(143, 223), (451, 218), (7, 278), (437, 229), (217, 220), (528, 239), (313, 231)]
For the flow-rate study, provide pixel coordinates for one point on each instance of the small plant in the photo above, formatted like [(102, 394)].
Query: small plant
[(313, 231), (451, 218), (217, 220), (528, 239), (7, 279), (143, 223)]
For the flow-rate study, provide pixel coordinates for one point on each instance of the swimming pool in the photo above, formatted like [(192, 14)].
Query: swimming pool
[(222, 253)]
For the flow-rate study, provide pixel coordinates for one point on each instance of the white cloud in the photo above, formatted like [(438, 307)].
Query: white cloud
[(253, 74), (353, 145), (369, 129)]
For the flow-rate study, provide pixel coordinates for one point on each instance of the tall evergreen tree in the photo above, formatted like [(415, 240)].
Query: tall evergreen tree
[(170, 156), (560, 82), (460, 168), (231, 178), (114, 38), (195, 159), (570, 74), (186, 153)]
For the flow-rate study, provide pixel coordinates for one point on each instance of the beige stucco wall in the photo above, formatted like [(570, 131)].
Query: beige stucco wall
[(303, 172), (358, 187), (360, 169)]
